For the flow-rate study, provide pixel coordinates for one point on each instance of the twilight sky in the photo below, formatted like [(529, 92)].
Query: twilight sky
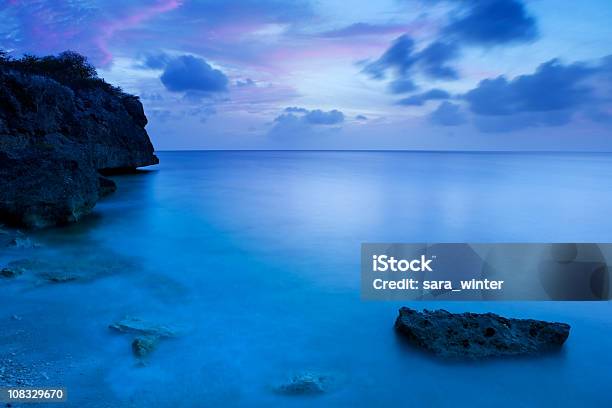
[(342, 74)]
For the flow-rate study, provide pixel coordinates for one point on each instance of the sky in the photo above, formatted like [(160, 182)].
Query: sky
[(342, 74)]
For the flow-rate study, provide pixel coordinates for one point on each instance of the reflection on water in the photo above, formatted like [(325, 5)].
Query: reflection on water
[(257, 253)]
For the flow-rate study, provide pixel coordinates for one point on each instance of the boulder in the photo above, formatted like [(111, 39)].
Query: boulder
[(475, 335)]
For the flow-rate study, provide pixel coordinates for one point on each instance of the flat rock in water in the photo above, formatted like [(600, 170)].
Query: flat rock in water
[(475, 335), (135, 325)]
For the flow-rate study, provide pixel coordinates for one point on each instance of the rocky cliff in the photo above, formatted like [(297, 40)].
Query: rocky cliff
[(59, 126)]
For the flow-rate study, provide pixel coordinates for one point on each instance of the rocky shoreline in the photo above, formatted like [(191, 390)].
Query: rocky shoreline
[(60, 127)]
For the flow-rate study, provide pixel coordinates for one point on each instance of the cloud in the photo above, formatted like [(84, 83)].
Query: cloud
[(492, 22), (299, 122), (420, 99), (403, 61), (245, 82), (364, 29), (319, 117), (447, 114), (192, 74), (436, 56), (472, 23), (361, 117), (295, 109), (550, 96), (155, 61), (553, 86), (398, 57), (402, 85)]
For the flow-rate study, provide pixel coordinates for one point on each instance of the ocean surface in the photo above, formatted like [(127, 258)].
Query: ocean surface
[(254, 258)]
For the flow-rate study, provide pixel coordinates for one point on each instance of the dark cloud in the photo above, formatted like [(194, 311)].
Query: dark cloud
[(361, 117), (399, 57), (552, 87), (492, 22), (191, 74), (550, 96), (472, 22), (402, 85), (435, 58), (420, 99), (447, 114), (403, 62)]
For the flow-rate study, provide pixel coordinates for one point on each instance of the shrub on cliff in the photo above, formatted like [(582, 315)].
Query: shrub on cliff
[(68, 68)]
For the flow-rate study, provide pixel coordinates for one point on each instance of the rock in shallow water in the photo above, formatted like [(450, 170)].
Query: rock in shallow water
[(474, 335), (305, 383), (137, 326), (10, 272), (144, 345)]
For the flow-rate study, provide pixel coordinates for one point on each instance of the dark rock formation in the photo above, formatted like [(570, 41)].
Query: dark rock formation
[(474, 335), (59, 125)]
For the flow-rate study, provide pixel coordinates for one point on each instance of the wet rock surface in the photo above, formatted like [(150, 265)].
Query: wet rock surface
[(475, 336)]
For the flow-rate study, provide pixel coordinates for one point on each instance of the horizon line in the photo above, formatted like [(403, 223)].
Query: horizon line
[(381, 151)]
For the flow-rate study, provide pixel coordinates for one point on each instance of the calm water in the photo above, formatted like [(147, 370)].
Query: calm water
[(255, 256)]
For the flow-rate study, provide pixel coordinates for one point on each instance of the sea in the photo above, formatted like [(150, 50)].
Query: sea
[(253, 259)]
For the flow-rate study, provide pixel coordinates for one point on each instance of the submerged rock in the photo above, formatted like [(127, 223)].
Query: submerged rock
[(474, 335), (305, 383), (148, 334), (144, 345), (79, 266), (135, 325), (22, 242), (59, 125), (10, 272)]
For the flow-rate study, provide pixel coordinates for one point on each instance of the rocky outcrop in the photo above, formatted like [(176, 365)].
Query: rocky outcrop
[(474, 335), (56, 135)]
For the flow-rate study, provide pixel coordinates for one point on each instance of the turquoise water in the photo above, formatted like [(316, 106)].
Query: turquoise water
[(255, 257)]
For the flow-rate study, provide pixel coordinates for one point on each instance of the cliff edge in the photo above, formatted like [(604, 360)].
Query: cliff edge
[(60, 125)]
